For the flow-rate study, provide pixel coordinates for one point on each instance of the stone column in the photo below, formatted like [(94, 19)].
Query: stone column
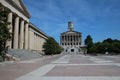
[(37, 42), (26, 36), (9, 43), (21, 34), (75, 39), (34, 41), (16, 27)]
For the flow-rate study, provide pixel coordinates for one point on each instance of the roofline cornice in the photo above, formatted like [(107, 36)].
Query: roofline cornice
[(37, 29), (71, 31), (18, 8)]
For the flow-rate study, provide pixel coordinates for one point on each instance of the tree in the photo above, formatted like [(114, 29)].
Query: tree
[(109, 45), (88, 41), (4, 32), (51, 47), (109, 40)]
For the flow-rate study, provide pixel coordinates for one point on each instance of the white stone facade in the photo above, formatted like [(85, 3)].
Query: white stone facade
[(24, 34), (36, 38)]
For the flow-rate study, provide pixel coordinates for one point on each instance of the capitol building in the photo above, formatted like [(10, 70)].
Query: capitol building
[(71, 40)]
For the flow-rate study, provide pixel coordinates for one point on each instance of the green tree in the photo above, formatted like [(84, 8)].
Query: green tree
[(108, 40), (51, 47), (4, 32), (89, 42), (109, 45)]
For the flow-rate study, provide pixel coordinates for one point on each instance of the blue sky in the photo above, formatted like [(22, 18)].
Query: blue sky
[(98, 18)]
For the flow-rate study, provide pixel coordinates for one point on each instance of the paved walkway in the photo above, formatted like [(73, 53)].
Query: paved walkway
[(78, 67), (70, 67)]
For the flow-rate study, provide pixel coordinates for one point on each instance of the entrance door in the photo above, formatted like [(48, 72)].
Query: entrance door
[(72, 50)]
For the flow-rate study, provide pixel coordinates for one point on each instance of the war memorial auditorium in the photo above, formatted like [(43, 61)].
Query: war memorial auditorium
[(25, 35)]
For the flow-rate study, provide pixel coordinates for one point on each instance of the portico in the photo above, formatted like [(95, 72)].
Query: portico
[(19, 29)]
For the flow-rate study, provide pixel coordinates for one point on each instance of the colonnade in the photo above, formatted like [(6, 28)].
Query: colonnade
[(71, 40), (19, 29), (37, 45), (36, 39)]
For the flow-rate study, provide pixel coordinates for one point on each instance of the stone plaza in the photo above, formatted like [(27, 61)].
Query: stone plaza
[(64, 67)]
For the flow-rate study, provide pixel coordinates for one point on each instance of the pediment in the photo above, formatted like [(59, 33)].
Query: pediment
[(17, 2), (70, 32), (20, 4)]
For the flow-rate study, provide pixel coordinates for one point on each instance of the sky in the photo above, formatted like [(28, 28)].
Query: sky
[(98, 18)]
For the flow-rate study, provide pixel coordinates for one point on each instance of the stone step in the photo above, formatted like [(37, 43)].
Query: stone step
[(24, 54)]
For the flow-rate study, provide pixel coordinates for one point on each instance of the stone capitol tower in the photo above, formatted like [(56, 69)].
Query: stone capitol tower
[(71, 40)]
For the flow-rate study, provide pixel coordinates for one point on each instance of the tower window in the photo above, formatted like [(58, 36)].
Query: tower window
[(65, 43), (77, 44)]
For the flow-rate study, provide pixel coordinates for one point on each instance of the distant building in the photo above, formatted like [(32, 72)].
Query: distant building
[(25, 35), (71, 40)]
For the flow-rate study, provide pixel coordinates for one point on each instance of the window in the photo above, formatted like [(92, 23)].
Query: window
[(79, 43), (65, 43), (76, 43)]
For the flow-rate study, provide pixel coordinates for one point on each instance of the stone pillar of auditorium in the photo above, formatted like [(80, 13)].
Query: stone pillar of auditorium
[(21, 34), (9, 19), (16, 27), (26, 36), (34, 41), (37, 42)]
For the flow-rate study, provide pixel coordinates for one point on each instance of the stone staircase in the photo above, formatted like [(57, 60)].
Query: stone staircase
[(24, 54)]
